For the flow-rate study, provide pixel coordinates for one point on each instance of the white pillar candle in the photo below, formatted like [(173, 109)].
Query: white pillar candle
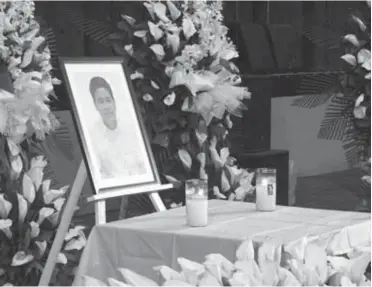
[(266, 195), (197, 211), (196, 191)]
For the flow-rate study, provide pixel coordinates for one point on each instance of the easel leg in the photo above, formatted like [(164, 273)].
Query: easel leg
[(64, 224), (157, 202), (100, 211)]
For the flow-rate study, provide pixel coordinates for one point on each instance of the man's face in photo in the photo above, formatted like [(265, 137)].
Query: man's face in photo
[(105, 104)]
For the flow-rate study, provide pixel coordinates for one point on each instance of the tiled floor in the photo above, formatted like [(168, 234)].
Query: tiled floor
[(329, 191)]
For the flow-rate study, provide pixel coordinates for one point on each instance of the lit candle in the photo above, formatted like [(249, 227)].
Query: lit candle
[(196, 203), (266, 191)]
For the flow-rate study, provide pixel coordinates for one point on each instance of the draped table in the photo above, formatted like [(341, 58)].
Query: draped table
[(144, 242)]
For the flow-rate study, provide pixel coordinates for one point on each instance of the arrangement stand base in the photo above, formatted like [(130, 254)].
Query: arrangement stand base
[(100, 213)]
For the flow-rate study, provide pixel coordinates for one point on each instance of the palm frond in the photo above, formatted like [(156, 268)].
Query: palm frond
[(139, 204), (322, 37), (337, 117), (51, 39), (311, 101), (353, 143), (317, 89), (97, 30)]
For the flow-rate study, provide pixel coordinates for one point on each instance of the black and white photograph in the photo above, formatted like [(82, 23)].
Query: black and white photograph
[(185, 143), (113, 142)]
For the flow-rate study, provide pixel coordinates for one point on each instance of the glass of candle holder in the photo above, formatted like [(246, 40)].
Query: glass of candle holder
[(266, 189), (196, 193)]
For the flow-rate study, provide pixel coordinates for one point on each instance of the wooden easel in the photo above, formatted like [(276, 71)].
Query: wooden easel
[(100, 213)]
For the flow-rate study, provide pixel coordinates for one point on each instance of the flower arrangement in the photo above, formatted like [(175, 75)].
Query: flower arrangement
[(187, 88), (29, 217), (27, 57), (29, 209), (304, 262), (357, 90)]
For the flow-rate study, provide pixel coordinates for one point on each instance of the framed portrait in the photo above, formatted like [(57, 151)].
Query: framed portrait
[(115, 146)]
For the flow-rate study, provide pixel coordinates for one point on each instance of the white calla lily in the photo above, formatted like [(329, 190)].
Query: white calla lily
[(174, 12), (360, 112), (17, 165), (5, 207), (58, 203), (22, 208), (364, 58), (173, 40), (185, 158), (4, 114), (150, 9), (136, 75), (217, 193), (44, 213), (76, 243), (35, 229), (54, 194), (28, 189), (129, 49), (74, 232), (61, 258), (36, 171), (147, 97), (359, 22), (46, 186), (188, 28), (158, 51), (13, 147), (161, 10), (350, 59), (170, 99), (5, 225), (21, 258), (351, 38), (155, 31), (129, 19)]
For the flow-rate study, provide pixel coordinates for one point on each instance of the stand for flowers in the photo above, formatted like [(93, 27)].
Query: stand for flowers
[(100, 212)]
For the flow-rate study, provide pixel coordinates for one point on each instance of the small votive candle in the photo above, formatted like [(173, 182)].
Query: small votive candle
[(196, 191), (266, 189)]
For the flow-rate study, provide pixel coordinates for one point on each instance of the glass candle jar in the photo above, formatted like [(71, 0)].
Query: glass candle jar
[(266, 189), (196, 191)]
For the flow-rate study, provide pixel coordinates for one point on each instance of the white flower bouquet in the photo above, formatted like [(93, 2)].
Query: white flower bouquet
[(304, 262), (188, 87)]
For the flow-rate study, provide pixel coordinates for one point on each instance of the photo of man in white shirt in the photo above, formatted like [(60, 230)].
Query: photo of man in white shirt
[(114, 139)]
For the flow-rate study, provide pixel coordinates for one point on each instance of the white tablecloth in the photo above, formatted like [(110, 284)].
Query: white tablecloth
[(160, 238)]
